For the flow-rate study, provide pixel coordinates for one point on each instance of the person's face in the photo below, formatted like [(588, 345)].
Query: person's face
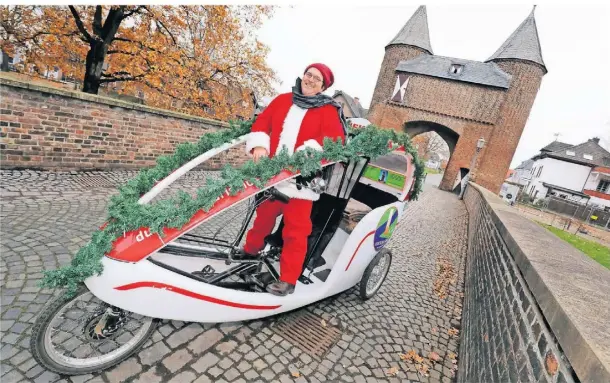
[(312, 83)]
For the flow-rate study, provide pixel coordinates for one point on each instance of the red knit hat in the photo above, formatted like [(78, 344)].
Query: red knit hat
[(327, 74)]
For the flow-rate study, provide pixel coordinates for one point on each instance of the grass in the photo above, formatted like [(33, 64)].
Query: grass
[(433, 171), (594, 250)]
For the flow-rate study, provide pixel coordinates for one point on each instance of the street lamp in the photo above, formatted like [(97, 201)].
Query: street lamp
[(480, 145)]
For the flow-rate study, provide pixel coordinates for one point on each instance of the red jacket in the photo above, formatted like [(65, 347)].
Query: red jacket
[(284, 124)]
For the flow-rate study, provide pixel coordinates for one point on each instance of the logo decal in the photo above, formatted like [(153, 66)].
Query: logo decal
[(385, 227)]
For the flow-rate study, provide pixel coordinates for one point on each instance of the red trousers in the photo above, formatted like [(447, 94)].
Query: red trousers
[(297, 227)]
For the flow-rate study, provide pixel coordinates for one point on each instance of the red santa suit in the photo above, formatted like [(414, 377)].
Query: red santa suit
[(284, 124)]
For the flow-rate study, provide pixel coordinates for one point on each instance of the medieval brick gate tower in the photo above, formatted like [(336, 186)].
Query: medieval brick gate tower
[(461, 100)]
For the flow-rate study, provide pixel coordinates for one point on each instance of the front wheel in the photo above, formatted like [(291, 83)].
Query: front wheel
[(375, 273), (82, 334)]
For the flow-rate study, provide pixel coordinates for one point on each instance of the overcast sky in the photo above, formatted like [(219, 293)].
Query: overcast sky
[(574, 98)]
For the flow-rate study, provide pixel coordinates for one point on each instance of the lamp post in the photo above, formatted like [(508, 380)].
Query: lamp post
[(480, 145)]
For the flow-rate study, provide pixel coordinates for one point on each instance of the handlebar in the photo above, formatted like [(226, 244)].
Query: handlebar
[(278, 195)]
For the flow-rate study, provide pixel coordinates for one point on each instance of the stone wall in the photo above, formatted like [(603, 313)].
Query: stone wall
[(535, 308), (49, 128)]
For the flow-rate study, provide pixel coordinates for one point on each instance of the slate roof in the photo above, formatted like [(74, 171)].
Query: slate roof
[(526, 165), (415, 32), (556, 145), (523, 44), (356, 108), (475, 72), (600, 156), (561, 188)]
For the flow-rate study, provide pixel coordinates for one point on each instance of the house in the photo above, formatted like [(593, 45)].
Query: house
[(351, 106), (522, 173), (579, 173), (434, 161)]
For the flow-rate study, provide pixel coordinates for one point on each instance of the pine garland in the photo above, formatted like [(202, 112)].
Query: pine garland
[(125, 214)]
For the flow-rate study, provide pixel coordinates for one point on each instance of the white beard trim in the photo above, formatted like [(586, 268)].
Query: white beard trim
[(310, 144), (291, 128), (256, 139)]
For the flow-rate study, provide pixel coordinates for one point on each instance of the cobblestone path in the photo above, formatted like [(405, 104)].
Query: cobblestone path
[(46, 217)]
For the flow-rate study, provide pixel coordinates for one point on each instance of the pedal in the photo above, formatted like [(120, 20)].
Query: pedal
[(205, 272)]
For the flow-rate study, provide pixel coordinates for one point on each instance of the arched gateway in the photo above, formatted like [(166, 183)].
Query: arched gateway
[(461, 100)]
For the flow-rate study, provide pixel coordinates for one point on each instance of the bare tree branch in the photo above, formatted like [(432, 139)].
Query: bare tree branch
[(79, 23), (97, 20)]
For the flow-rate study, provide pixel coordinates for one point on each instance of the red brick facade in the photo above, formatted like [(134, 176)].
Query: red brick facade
[(49, 128), (461, 113)]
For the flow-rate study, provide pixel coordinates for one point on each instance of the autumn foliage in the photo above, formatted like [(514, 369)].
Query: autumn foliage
[(202, 60)]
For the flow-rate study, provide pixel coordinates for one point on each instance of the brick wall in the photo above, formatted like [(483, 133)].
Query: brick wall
[(452, 98), (387, 73), (505, 336), (49, 128), (514, 112)]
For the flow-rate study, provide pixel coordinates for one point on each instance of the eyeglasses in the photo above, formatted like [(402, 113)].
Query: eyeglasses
[(311, 76)]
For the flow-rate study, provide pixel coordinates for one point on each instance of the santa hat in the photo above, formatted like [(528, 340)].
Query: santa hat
[(327, 74)]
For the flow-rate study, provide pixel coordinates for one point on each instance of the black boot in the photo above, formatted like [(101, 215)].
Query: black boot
[(241, 255), (280, 288)]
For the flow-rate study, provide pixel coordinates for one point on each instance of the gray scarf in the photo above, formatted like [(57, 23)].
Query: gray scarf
[(309, 102)]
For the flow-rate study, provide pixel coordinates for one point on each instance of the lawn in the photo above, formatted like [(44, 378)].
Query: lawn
[(599, 253), (433, 171)]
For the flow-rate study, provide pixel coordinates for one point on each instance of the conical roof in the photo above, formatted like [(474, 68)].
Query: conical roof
[(523, 44), (415, 32)]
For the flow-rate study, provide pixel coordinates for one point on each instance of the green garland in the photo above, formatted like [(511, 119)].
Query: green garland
[(125, 214)]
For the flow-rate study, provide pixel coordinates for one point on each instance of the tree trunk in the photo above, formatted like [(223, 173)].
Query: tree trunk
[(94, 66), (4, 65)]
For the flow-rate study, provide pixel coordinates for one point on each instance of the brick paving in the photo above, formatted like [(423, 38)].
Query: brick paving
[(47, 216)]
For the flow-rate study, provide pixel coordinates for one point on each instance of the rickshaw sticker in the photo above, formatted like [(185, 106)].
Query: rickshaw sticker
[(385, 228), (384, 176)]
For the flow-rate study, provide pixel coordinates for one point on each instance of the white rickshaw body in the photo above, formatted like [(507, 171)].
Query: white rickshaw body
[(139, 277), (192, 273)]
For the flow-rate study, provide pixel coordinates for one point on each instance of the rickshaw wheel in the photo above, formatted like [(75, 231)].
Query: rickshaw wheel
[(375, 273), (68, 327)]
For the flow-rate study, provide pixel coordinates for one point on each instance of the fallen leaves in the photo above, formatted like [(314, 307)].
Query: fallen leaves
[(420, 363), (296, 374), (453, 332), (323, 323), (392, 371), (551, 363), (445, 276)]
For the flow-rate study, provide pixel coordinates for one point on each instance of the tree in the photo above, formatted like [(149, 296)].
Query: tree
[(431, 142), (194, 58)]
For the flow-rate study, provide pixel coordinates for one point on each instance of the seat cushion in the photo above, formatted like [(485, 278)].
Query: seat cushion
[(354, 211)]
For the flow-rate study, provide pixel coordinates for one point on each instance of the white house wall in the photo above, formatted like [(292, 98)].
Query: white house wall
[(599, 201), (559, 173)]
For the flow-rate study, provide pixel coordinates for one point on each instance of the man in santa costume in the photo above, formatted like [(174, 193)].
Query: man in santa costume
[(295, 121)]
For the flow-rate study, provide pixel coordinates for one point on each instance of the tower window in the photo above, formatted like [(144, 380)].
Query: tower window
[(456, 69)]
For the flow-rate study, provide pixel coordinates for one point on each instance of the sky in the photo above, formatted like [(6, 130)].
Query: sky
[(574, 97)]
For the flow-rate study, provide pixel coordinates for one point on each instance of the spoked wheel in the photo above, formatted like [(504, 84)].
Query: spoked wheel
[(375, 273), (82, 334)]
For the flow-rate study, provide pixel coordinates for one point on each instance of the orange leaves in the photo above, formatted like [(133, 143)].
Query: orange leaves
[(445, 276), (551, 363), (201, 60), (393, 371), (453, 332)]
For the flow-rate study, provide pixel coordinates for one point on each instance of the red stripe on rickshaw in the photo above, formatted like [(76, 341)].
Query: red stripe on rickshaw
[(358, 248), (159, 285)]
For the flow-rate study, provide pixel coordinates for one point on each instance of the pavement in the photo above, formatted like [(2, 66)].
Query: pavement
[(47, 216)]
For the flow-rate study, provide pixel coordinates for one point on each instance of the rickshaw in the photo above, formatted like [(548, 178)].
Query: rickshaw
[(191, 273)]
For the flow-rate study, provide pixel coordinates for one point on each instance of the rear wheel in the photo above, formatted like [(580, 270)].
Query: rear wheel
[(82, 334), (375, 273)]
